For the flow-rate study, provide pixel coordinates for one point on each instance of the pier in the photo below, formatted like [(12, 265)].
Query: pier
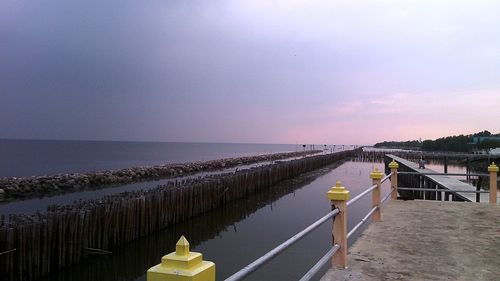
[(427, 240), (430, 179)]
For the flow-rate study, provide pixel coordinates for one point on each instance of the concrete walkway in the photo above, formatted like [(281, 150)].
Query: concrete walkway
[(427, 240)]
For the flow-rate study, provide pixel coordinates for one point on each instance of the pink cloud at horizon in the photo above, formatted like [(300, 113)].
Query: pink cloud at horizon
[(404, 117)]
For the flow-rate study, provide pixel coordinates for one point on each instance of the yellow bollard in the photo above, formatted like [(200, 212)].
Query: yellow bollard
[(493, 170), (338, 195), (182, 265), (394, 179), (376, 177)]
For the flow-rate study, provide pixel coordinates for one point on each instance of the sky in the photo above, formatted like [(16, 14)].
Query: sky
[(283, 71)]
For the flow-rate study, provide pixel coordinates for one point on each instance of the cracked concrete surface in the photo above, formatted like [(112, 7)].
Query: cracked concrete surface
[(427, 240)]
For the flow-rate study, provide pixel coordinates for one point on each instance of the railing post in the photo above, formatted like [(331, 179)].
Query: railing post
[(182, 265), (376, 176), (493, 170), (394, 179), (338, 195)]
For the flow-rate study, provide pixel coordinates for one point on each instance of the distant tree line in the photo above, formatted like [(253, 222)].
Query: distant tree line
[(460, 143), (454, 143), (399, 144)]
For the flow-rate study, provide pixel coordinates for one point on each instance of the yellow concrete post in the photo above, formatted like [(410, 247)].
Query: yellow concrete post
[(493, 170), (182, 265), (376, 177), (394, 179), (338, 195)]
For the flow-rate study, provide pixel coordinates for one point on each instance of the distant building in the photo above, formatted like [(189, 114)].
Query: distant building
[(495, 151), (477, 140)]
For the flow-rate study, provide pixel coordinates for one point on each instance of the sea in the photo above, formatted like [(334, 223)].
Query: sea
[(19, 158)]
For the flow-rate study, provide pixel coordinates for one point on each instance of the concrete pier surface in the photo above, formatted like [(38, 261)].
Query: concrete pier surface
[(427, 240)]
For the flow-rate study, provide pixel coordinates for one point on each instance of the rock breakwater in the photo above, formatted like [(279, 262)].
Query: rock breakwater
[(26, 187)]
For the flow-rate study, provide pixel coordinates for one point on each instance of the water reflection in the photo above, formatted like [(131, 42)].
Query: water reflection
[(438, 166)]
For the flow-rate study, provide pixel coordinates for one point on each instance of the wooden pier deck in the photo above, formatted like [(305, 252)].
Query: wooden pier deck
[(451, 183), (427, 240)]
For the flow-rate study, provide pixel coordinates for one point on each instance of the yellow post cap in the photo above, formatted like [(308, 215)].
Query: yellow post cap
[(338, 193), (182, 265), (493, 168), (182, 247), (376, 174), (394, 164)]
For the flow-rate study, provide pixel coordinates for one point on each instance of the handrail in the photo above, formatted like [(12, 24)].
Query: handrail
[(274, 252), (363, 220), (310, 274), (8, 251), (443, 190), (388, 176), (359, 196), (387, 196), (443, 174)]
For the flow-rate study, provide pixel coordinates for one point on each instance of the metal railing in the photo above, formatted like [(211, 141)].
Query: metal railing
[(317, 267), (437, 193), (361, 195), (280, 248), (363, 220), (444, 174), (8, 251), (442, 190)]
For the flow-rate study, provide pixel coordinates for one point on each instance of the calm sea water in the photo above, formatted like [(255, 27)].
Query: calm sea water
[(45, 157)]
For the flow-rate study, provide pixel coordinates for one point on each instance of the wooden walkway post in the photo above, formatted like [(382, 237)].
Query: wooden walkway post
[(493, 170), (338, 195), (394, 179), (376, 177)]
